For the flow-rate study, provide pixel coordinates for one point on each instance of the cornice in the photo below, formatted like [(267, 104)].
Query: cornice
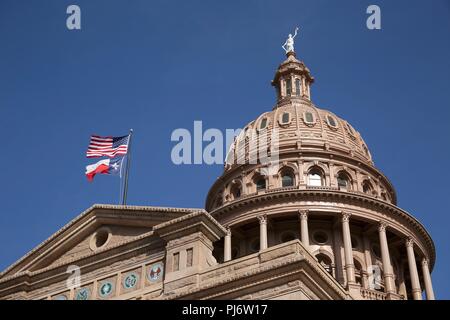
[(89, 213), (337, 196), (27, 277), (302, 256)]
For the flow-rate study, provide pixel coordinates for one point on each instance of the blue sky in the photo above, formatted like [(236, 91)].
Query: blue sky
[(155, 66)]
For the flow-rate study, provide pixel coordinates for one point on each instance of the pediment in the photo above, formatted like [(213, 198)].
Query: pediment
[(98, 229)]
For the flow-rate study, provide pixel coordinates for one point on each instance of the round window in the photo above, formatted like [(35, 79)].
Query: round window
[(320, 237), (100, 238)]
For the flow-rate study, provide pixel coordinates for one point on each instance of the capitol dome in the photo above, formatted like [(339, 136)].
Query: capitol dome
[(324, 190)]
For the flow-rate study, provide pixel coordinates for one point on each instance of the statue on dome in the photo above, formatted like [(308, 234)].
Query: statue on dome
[(288, 46)]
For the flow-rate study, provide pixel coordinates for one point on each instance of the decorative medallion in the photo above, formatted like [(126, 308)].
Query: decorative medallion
[(106, 289), (155, 272), (82, 294), (60, 297), (130, 281)]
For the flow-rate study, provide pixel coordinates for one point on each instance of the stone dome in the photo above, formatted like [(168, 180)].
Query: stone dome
[(300, 125), (315, 182), (298, 131)]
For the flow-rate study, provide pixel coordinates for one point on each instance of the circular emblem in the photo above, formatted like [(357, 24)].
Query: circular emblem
[(82, 294), (106, 289), (130, 281), (60, 297), (155, 272)]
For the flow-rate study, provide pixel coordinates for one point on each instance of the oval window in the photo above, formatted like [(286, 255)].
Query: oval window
[(320, 237), (308, 118), (331, 122), (263, 123), (285, 118)]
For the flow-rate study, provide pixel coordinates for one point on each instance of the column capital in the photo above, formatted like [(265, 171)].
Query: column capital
[(346, 216), (262, 219), (409, 242), (382, 226), (228, 230), (424, 262), (303, 214)]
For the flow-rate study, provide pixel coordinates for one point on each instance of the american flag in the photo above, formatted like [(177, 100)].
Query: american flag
[(107, 146)]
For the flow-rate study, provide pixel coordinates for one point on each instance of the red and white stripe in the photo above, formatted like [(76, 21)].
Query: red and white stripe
[(103, 146)]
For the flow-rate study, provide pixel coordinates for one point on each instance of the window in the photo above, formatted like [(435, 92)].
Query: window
[(263, 123), (189, 257), (343, 182), (325, 262), (350, 129), (308, 118), (358, 272), (176, 261), (285, 118), (236, 191), (287, 180), (320, 237), (315, 178), (331, 122), (260, 184), (367, 187), (288, 87), (297, 87)]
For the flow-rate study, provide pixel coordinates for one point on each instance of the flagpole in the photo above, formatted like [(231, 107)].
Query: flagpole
[(125, 188)]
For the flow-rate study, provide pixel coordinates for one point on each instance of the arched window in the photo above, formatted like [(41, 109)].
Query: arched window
[(325, 262), (287, 177), (343, 181), (287, 180), (315, 177), (260, 184), (358, 272), (367, 187), (236, 191), (297, 87), (288, 87)]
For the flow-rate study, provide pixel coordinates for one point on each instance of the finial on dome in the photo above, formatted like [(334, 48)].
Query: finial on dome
[(288, 46)]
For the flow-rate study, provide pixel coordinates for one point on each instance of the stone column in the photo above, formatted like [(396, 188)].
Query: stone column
[(427, 279), (304, 234), (262, 232), (415, 284), (388, 273), (227, 246), (303, 86), (349, 266)]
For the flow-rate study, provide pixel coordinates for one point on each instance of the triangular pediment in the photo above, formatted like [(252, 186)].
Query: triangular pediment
[(96, 230)]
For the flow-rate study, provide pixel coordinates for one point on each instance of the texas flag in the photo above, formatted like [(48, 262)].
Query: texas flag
[(107, 166)]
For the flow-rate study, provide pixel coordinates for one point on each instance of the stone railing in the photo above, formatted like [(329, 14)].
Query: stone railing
[(373, 294)]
